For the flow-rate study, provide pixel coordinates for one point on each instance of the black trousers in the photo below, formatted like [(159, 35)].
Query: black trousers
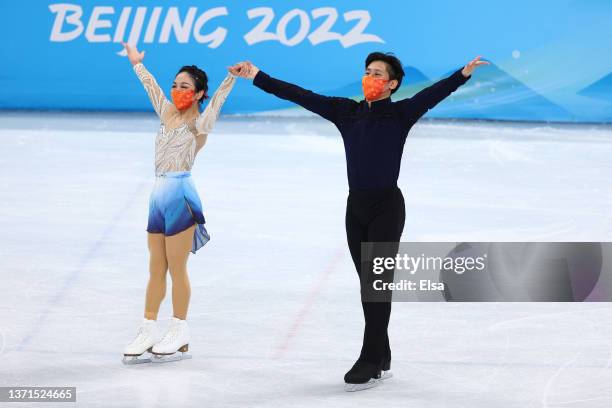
[(374, 216)]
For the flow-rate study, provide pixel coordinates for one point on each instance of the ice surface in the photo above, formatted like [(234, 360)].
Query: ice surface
[(275, 315)]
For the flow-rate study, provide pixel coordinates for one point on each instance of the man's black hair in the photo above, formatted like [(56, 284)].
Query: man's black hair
[(199, 78), (393, 64)]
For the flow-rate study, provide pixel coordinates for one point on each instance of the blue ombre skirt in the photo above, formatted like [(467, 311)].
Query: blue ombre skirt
[(174, 206)]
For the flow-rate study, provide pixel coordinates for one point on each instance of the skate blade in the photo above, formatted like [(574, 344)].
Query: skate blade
[(131, 360), (370, 384), (166, 358)]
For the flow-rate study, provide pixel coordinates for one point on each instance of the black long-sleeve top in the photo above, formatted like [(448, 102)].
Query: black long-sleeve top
[(373, 136)]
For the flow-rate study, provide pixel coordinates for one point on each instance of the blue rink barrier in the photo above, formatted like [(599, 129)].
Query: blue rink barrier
[(550, 60)]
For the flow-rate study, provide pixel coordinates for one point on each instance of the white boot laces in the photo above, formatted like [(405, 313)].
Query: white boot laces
[(142, 334), (171, 334)]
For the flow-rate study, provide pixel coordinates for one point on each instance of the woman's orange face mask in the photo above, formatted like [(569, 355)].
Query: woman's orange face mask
[(183, 91), (182, 98)]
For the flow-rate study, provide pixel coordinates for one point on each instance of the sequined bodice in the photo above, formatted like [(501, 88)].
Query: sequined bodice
[(175, 149)]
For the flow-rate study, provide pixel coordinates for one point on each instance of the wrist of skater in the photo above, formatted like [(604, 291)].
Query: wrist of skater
[(255, 72), (139, 66), (261, 79), (462, 75)]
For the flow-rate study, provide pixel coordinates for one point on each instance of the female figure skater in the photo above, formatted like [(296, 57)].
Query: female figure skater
[(176, 222), (374, 131)]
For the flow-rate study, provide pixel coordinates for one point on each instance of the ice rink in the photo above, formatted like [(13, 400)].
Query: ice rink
[(275, 315)]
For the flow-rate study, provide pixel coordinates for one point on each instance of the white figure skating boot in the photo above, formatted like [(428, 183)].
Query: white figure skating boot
[(146, 336), (175, 343)]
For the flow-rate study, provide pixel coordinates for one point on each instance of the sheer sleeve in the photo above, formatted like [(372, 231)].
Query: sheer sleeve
[(156, 95), (206, 121)]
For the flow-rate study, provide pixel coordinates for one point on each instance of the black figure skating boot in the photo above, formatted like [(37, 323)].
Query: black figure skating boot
[(364, 375)]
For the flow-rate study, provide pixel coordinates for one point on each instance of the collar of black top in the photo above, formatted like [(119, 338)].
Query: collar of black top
[(376, 106), (380, 101)]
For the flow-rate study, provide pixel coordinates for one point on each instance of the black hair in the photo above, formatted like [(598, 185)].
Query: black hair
[(199, 78), (394, 66)]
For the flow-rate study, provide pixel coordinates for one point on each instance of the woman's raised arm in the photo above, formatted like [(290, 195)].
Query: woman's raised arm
[(206, 121), (156, 94)]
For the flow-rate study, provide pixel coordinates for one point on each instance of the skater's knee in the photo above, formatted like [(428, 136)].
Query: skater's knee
[(158, 271), (158, 263), (177, 264), (158, 275), (178, 272)]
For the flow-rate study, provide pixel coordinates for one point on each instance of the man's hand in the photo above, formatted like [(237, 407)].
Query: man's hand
[(133, 55), (244, 70), (471, 66)]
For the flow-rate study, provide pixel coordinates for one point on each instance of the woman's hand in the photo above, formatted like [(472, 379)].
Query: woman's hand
[(133, 55), (244, 69), (471, 66)]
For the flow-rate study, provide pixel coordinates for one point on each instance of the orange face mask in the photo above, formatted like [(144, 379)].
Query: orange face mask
[(182, 98), (373, 88)]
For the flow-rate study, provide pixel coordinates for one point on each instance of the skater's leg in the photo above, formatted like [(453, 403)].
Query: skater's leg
[(355, 234), (385, 227), (376, 347), (176, 338), (178, 247), (381, 217), (158, 268), (147, 334)]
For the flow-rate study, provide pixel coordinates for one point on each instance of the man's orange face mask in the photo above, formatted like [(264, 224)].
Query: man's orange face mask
[(373, 88), (182, 98)]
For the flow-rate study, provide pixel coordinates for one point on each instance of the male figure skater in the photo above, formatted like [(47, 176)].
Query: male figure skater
[(373, 131)]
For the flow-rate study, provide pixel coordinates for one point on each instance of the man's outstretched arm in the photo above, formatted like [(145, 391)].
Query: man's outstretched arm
[(325, 106), (429, 97)]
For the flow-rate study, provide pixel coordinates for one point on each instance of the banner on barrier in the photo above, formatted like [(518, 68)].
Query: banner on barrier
[(68, 55)]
